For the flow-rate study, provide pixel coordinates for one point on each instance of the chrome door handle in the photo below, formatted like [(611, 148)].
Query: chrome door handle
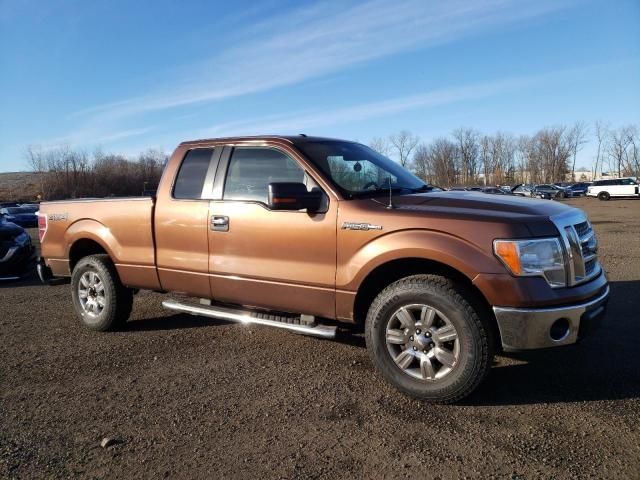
[(219, 223)]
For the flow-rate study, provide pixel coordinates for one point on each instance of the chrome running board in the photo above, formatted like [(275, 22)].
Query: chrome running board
[(245, 317)]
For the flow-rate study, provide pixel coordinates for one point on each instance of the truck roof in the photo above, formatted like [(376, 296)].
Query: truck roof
[(293, 139)]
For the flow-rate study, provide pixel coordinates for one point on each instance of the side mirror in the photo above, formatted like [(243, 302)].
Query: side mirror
[(293, 196)]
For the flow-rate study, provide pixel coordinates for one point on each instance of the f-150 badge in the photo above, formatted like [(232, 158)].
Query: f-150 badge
[(55, 217), (360, 226)]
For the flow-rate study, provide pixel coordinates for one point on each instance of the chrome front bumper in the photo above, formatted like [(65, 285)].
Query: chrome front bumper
[(529, 328)]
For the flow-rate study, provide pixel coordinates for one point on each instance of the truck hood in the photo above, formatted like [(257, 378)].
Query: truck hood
[(478, 203), (525, 214)]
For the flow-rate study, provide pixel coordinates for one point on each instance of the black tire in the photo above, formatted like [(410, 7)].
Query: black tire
[(117, 299), (474, 349), (604, 196)]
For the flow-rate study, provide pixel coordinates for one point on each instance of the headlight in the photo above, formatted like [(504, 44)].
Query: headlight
[(533, 258)]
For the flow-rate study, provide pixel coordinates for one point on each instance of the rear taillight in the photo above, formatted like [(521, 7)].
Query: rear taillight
[(42, 225)]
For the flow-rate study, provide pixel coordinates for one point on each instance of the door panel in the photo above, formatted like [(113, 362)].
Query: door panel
[(627, 188), (182, 246), (274, 259), (282, 260), (181, 226)]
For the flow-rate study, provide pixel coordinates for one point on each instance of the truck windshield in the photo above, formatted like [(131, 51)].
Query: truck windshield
[(359, 171)]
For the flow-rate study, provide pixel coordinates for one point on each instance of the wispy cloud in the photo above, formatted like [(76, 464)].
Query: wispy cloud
[(314, 41), (79, 137), (357, 113)]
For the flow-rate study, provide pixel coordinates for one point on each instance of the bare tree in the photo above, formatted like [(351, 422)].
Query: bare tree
[(523, 164), (634, 151), (619, 141), (469, 152), (485, 156), (441, 160), (421, 163), (404, 142), (37, 161), (601, 130), (577, 138), (553, 149), (380, 145)]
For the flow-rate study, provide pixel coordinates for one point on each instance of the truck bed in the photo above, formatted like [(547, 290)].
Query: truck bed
[(121, 227)]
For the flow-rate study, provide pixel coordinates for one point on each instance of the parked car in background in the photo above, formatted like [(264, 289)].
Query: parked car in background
[(16, 251), (8, 204), (616, 187), (466, 189), (26, 217), (522, 190), (549, 191), (495, 191), (577, 189)]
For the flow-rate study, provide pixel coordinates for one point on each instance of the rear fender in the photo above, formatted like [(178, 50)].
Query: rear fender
[(93, 230)]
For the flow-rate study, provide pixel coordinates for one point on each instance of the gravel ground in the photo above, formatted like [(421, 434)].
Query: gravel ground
[(190, 397)]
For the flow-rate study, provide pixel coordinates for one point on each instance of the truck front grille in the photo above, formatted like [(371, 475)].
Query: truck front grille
[(580, 245), (590, 266), (582, 229)]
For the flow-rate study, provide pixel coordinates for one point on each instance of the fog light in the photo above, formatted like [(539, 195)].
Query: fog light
[(559, 330)]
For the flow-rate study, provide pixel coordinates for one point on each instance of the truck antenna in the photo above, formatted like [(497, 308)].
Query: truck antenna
[(390, 205)]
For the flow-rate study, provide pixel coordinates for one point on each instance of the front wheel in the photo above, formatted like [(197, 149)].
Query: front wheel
[(101, 302), (427, 340)]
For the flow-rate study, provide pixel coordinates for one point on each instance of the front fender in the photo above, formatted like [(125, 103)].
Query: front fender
[(458, 253)]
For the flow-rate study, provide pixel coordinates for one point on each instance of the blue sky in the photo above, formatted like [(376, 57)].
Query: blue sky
[(126, 77)]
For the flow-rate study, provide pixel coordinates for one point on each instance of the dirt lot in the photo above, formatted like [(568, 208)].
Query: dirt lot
[(192, 398)]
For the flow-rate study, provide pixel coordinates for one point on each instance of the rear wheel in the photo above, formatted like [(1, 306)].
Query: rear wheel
[(101, 302), (604, 196), (427, 340)]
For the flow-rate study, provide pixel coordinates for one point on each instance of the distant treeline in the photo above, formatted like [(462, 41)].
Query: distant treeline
[(467, 156), (70, 173)]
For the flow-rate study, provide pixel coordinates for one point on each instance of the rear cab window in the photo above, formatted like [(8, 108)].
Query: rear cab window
[(192, 174)]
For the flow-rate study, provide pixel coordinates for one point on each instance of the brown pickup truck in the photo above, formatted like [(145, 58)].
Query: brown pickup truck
[(312, 234)]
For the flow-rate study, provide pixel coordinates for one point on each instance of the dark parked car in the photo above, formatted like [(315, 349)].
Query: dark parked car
[(578, 189), (26, 217), (549, 191), (16, 251), (466, 189), (495, 191)]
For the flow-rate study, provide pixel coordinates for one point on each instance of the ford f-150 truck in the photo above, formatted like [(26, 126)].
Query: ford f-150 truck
[(311, 234)]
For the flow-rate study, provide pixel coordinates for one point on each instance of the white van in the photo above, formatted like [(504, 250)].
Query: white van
[(616, 187)]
